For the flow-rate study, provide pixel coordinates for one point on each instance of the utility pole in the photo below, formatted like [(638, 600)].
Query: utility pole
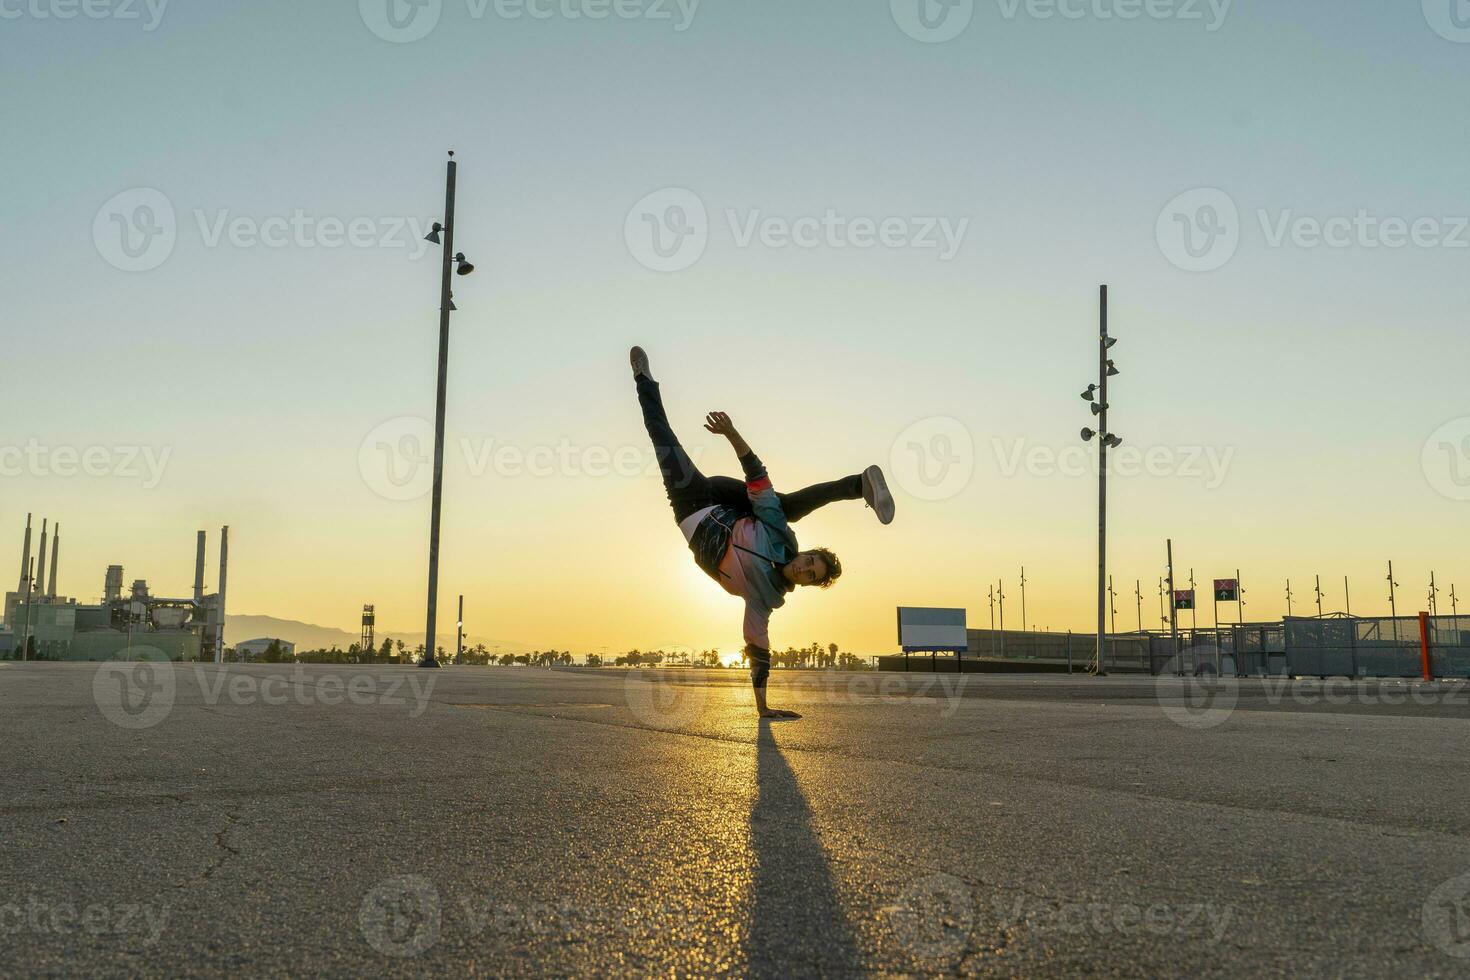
[(1097, 394), (1393, 610), (1239, 600), (1347, 597), (1112, 608), (454, 262), (1024, 620), (459, 637), (1288, 598), (1000, 598), (1454, 606), (1163, 619), (1193, 607), (1173, 610), (1138, 594), (992, 619), (1433, 596), (1319, 597)]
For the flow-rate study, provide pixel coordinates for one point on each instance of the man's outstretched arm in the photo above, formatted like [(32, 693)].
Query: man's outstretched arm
[(764, 500), (758, 653)]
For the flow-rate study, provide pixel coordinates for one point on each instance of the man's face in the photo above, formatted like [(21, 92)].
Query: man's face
[(808, 569)]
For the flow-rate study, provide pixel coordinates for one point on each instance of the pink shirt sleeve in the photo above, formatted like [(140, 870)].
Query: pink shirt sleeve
[(757, 626)]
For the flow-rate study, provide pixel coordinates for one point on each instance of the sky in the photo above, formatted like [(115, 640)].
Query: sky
[(870, 231)]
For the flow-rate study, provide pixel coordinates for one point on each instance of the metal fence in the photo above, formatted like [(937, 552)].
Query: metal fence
[(1125, 652), (1363, 646)]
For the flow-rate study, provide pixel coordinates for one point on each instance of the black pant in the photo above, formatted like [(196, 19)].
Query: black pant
[(690, 490)]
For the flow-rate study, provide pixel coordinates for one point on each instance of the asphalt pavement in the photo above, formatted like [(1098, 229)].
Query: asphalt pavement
[(272, 820)]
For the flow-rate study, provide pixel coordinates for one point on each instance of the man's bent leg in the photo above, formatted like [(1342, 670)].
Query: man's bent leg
[(801, 503), (688, 489)]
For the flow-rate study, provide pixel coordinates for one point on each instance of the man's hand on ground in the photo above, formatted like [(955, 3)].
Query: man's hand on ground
[(778, 713)]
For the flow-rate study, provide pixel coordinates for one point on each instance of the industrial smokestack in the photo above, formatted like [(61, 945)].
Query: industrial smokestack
[(199, 571), (224, 568), (55, 552), (25, 557), (41, 561)]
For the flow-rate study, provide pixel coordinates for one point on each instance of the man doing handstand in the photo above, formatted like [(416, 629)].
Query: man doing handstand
[(740, 532)]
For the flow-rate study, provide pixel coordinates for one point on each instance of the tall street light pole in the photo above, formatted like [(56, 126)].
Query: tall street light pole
[(446, 305), (1097, 394)]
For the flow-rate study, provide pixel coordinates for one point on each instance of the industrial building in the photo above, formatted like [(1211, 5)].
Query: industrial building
[(42, 624)]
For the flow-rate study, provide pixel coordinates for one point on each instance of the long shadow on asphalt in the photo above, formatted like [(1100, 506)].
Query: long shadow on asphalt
[(797, 926)]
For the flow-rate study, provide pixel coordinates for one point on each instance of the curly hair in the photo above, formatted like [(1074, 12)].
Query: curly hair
[(834, 567)]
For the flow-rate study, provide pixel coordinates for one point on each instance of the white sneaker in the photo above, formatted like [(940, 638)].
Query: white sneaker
[(876, 495)]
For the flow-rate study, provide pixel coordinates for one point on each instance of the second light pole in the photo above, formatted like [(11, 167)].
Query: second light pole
[(1097, 394), (454, 262)]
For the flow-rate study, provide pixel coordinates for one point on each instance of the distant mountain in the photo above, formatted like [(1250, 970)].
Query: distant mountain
[(308, 636)]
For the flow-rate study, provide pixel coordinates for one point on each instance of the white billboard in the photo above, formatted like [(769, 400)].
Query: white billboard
[(926, 629)]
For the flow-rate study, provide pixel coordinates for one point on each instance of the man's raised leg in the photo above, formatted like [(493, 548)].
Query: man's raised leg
[(687, 488)]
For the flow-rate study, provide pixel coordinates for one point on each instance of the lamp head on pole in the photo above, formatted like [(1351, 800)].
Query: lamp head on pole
[(1088, 394), (433, 235), (463, 265)]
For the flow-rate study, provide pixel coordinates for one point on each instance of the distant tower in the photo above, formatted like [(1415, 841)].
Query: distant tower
[(55, 554), (369, 621), (40, 585), (25, 557), (112, 590)]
